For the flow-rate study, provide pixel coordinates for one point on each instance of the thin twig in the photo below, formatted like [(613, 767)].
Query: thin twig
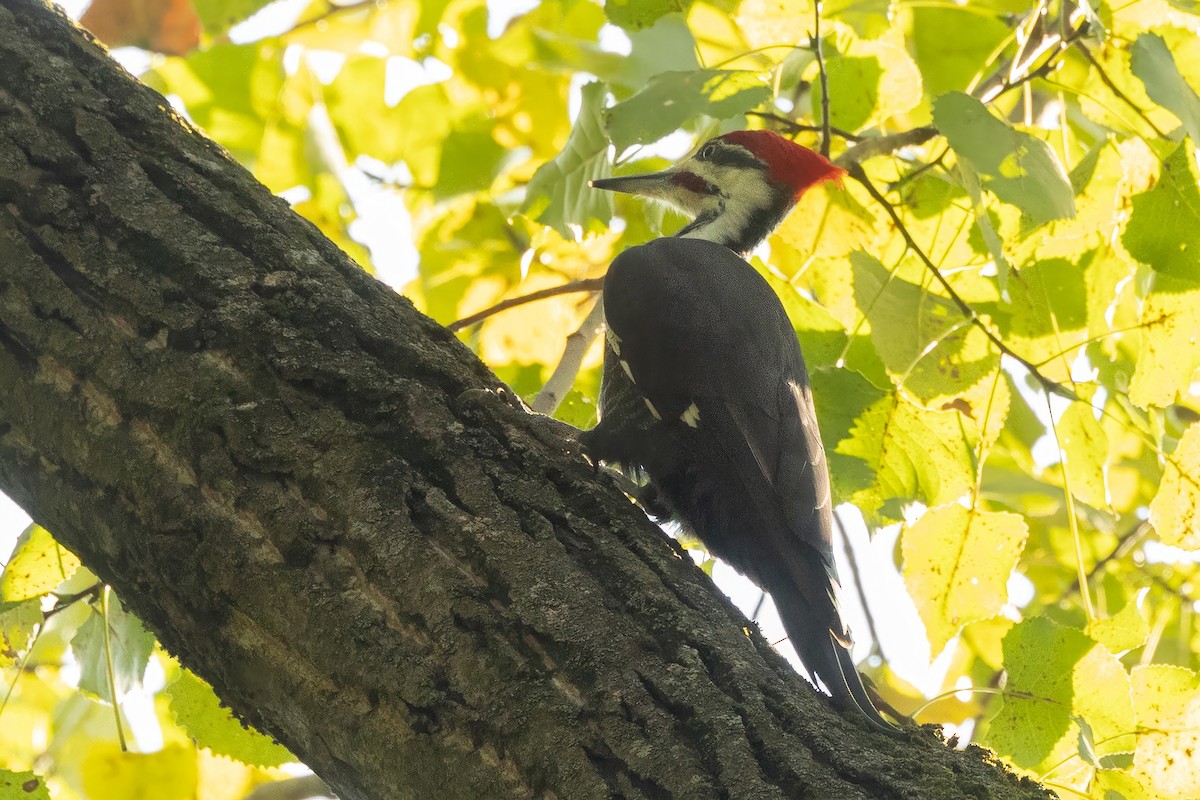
[(563, 377), (797, 127), (884, 145), (919, 171), (856, 577), (817, 49), (585, 285), (1112, 87), (1125, 543), (859, 175)]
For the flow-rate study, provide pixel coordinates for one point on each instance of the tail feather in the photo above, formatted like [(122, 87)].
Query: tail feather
[(826, 658)]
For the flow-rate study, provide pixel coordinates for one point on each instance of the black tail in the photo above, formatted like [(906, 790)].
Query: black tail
[(826, 658)]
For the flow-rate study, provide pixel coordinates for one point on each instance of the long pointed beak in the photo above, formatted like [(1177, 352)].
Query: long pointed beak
[(653, 184)]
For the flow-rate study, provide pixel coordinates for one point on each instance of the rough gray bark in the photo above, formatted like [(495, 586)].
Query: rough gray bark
[(292, 477)]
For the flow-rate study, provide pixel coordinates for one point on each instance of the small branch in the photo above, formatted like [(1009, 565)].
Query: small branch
[(585, 285), (1129, 540), (921, 170), (1112, 87), (884, 145), (817, 49), (856, 577), (797, 127), (552, 394), (856, 172)]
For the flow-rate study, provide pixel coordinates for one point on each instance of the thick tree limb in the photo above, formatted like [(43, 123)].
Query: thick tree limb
[(300, 485)]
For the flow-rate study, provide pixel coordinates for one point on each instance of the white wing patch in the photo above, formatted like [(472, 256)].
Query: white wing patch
[(614, 342), (628, 371), (649, 405), (691, 416)]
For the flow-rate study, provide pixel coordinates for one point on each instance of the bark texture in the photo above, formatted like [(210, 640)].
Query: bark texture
[(296, 481)]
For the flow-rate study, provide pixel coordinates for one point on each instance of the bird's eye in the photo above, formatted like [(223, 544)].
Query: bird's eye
[(708, 151)]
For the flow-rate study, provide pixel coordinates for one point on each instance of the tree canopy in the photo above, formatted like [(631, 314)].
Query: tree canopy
[(999, 307)]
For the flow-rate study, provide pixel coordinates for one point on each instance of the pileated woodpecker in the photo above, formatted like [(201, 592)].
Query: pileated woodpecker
[(705, 391)]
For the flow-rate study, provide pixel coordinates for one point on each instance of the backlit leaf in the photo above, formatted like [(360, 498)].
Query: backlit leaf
[(1018, 167), (673, 98), (558, 194), (1175, 511), (1169, 354), (927, 344), (957, 562), (1153, 64), (22, 786), (1084, 454), (200, 713), (1164, 227), (37, 565), (1057, 674), (914, 453), (130, 648), (1166, 704), (1122, 631), (110, 774)]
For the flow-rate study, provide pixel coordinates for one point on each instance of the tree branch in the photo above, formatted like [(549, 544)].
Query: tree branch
[(856, 172), (824, 77), (561, 380), (585, 285)]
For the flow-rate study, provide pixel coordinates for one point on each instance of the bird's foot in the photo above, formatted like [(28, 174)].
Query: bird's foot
[(553, 433)]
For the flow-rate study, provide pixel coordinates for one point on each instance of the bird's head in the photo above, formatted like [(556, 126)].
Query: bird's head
[(738, 186)]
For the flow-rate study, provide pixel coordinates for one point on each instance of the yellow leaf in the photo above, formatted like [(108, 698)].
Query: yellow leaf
[(1175, 510), (1166, 705), (109, 774), (38, 565), (956, 566)]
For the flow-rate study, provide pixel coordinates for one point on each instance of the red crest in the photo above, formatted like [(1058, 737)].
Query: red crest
[(787, 162)]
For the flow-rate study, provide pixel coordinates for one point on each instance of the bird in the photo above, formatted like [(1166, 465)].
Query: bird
[(705, 395)]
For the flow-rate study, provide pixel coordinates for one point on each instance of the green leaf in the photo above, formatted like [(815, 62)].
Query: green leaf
[(22, 786), (1084, 454), (577, 409), (638, 14), (1056, 675), (1166, 703), (130, 644), (228, 90), (673, 98), (18, 621), (37, 565), (841, 396), (957, 562), (1155, 66), (219, 16), (914, 453), (1017, 167), (558, 194), (868, 18), (199, 712), (927, 344), (951, 45), (1164, 226), (853, 90), (1175, 510), (1123, 631), (110, 774), (470, 161)]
